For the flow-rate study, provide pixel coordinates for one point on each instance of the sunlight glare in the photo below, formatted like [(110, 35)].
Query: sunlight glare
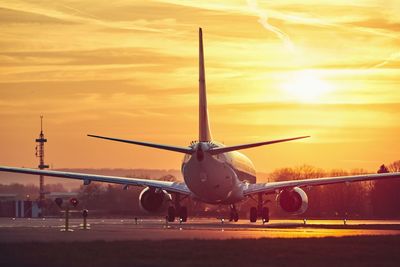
[(306, 86)]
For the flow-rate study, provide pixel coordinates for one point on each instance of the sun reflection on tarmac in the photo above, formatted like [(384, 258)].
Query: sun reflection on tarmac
[(23, 230)]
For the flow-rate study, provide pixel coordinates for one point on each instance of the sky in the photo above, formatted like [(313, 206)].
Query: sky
[(129, 69)]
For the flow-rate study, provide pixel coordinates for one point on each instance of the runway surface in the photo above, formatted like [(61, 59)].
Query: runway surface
[(48, 229)]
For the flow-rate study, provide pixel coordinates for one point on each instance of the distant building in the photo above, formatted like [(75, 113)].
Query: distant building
[(11, 206)]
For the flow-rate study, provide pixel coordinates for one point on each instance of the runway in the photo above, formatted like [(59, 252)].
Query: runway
[(48, 229)]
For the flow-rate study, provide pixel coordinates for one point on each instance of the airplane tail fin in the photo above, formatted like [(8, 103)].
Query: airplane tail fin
[(204, 126)]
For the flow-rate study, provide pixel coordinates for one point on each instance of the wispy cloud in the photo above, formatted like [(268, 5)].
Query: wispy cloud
[(392, 57), (69, 14), (263, 20)]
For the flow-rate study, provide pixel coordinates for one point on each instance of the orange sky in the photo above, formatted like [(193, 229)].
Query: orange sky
[(128, 69)]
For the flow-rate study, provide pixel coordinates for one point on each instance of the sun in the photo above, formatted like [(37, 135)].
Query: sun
[(306, 86)]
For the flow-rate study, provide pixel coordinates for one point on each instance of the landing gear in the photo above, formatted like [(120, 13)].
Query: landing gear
[(260, 211), (177, 211), (183, 214), (233, 215), (253, 214), (171, 214), (265, 214)]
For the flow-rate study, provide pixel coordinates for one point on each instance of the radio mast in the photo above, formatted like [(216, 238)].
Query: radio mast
[(40, 154)]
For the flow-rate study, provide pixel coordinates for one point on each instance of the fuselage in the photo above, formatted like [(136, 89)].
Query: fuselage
[(217, 178)]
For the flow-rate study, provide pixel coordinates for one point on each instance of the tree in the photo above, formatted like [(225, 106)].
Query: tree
[(168, 178), (92, 195), (329, 200), (385, 193), (394, 166)]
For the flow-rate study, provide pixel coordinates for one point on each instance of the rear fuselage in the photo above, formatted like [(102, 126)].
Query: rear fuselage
[(217, 178)]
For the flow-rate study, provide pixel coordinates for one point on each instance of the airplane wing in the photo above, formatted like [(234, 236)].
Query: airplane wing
[(276, 186), (172, 187)]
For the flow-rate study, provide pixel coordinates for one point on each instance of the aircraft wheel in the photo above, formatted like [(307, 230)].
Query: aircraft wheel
[(236, 217), (265, 214), (253, 214), (183, 214), (171, 214), (233, 216)]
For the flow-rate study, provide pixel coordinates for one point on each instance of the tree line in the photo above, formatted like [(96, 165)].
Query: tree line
[(370, 199)]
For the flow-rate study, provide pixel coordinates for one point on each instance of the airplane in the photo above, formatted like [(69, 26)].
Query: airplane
[(213, 173)]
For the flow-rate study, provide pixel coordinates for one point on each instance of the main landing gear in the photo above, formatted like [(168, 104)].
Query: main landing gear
[(177, 210), (233, 215), (260, 211)]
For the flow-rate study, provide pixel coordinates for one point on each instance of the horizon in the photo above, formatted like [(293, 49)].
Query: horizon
[(282, 70)]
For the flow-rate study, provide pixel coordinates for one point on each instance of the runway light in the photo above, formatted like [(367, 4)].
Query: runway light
[(222, 221), (74, 202), (305, 221)]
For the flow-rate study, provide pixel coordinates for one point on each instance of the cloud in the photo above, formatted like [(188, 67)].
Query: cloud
[(392, 57), (12, 16), (68, 14), (263, 20)]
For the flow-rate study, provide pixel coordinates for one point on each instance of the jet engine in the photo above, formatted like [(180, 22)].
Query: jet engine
[(293, 201), (154, 200)]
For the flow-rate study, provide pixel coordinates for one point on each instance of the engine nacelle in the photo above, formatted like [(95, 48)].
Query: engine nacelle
[(154, 200), (293, 201)]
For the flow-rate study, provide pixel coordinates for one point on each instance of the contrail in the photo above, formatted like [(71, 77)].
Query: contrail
[(263, 20), (391, 58), (78, 11)]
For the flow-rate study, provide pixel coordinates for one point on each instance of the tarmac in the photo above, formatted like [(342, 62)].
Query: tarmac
[(16, 230)]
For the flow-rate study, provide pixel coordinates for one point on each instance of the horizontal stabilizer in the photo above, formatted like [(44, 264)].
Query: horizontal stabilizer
[(185, 150), (220, 150)]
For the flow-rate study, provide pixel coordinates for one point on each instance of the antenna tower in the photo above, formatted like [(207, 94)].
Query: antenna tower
[(40, 154)]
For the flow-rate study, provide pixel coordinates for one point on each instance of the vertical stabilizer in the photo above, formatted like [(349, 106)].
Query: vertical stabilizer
[(204, 127)]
